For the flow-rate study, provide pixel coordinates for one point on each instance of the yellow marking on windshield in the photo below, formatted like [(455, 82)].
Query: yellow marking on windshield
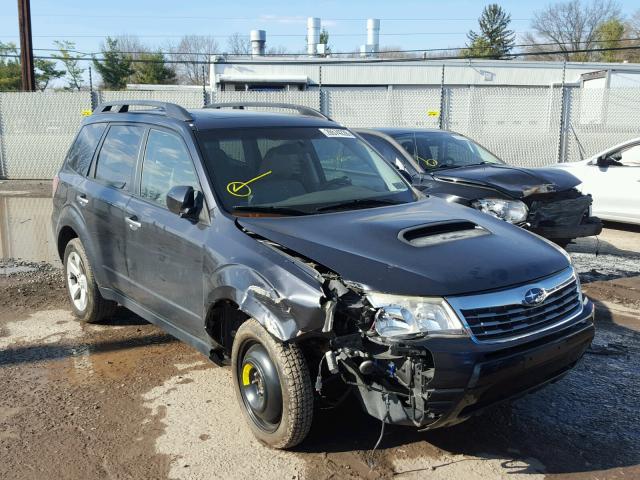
[(429, 162), (242, 189)]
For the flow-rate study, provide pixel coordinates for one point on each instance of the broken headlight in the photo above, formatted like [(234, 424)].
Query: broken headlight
[(399, 316), (512, 211)]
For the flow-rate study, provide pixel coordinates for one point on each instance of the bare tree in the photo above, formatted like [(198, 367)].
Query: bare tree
[(393, 51), (568, 26), (279, 50), (132, 46), (238, 44), (194, 52)]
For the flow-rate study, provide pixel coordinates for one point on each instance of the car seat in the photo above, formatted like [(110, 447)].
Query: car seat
[(285, 162)]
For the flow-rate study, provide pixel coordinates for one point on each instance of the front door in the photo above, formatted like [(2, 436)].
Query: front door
[(616, 187), (165, 250)]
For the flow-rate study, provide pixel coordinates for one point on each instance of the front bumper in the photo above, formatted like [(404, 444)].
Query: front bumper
[(468, 377), (590, 226), (562, 215)]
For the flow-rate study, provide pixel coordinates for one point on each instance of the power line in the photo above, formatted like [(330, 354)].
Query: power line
[(321, 61), (427, 50), (279, 35), (262, 18)]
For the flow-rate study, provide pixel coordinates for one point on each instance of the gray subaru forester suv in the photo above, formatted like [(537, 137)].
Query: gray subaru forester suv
[(287, 247)]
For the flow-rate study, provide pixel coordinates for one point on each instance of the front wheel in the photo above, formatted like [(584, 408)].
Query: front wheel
[(273, 386)]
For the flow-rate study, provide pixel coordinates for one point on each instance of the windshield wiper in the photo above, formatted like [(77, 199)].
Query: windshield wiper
[(269, 209), (443, 167), (357, 203)]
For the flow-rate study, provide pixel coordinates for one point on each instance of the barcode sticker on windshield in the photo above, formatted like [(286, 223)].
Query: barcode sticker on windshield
[(336, 132)]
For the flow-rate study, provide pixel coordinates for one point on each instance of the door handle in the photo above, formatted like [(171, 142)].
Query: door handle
[(82, 200), (133, 222)]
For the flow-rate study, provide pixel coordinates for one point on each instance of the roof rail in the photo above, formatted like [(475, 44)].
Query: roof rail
[(302, 110), (169, 109)]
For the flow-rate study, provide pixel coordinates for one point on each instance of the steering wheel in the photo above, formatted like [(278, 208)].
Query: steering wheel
[(334, 183)]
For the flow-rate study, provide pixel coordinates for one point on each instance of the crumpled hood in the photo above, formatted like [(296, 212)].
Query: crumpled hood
[(363, 246), (513, 181)]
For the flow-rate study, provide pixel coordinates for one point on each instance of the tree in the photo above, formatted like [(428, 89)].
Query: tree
[(568, 26), (46, 71), (494, 39), (151, 68), (115, 67), (10, 75), (609, 35), (324, 39), (238, 44), (279, 50), (195, 52), (71, 62)]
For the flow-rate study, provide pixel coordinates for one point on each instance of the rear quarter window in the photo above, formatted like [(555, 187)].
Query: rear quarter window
[(82, 150)]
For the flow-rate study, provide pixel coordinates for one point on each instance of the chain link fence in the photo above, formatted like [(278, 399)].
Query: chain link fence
[(524, 126), (599, 119), (36, 129), (417, 108), (520, 125)]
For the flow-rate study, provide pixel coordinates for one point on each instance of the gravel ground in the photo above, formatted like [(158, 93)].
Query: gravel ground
[(125, 400)]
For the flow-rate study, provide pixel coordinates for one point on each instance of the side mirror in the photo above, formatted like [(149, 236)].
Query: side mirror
[(609, 160), (184, 201), (602, 162)]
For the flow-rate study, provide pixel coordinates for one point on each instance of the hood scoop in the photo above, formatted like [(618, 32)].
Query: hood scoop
[(441, 232)]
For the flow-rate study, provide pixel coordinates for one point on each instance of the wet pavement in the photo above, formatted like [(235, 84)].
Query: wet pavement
[(125, 400)]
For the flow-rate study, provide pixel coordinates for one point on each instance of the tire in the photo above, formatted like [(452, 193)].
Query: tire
[(286, 380), (86, 302)]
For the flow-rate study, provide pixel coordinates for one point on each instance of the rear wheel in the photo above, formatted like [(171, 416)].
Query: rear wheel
[(273, 386), (86, 302)]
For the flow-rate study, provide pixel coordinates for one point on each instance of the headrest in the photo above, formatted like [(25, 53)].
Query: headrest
[(284, 160)]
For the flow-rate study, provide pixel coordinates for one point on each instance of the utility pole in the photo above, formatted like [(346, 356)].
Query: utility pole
[(26, 46)]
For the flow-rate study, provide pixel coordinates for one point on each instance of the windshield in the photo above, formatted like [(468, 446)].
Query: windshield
[(439, 150), (301, 170)]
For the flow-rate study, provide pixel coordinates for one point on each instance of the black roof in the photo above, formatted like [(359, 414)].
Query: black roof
[(209, 118), (205, 119), (399, 130)]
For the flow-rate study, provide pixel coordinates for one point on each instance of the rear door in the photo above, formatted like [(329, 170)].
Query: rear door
[(165, 251), (105, 197)]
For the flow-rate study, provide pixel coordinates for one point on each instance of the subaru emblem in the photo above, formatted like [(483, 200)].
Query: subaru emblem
[(534, 296)]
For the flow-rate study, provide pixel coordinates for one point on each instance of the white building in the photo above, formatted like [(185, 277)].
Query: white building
[(308, 73)]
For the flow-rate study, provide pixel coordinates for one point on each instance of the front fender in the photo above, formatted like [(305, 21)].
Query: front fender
[(286, 311), (255, 297)]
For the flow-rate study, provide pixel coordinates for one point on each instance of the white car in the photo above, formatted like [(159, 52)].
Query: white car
[(612, 177)]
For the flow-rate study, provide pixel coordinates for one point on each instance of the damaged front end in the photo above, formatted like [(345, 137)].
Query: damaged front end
[(562, 215), (390, 374), (422, 361)]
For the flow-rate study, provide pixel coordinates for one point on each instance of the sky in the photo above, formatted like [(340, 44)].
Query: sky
[(409, 24)]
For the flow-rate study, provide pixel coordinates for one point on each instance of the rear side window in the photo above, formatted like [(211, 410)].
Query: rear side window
[(117, 157), (167, 164), (81, 152)]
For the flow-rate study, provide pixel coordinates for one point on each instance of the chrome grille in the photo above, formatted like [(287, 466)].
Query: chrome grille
[(502, 316)]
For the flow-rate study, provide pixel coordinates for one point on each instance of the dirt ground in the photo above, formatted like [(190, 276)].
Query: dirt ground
[(125, 400)]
